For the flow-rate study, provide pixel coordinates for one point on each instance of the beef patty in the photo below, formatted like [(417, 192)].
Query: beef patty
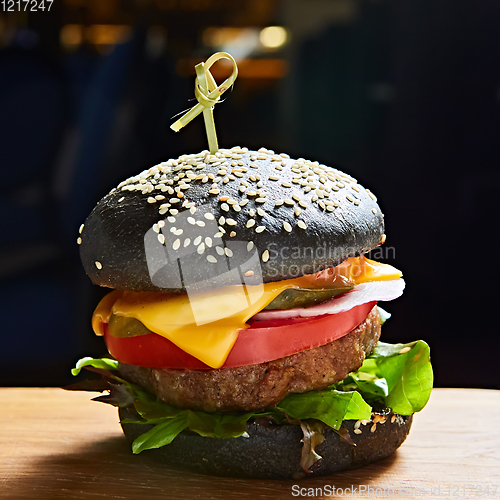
[(259, 386)]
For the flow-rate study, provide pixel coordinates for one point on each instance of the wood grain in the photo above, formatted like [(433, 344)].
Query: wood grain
[(56, 444)]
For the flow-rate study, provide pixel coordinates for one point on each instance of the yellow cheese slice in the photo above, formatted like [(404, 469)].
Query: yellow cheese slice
[(206, 324)]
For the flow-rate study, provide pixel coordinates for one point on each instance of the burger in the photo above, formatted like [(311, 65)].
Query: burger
[(243, 326)]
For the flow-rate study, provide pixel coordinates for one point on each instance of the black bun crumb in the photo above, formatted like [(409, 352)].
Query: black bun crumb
[(186, 223), (275, 452)]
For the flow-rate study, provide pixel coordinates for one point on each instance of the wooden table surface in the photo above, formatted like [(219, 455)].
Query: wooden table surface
[(56, 444)]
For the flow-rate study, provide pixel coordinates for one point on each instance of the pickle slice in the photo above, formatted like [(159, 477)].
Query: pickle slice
[(305, 297), (120, 326)]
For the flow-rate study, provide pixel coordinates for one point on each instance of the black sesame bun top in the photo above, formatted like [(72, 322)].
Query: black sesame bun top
[(205, 220)]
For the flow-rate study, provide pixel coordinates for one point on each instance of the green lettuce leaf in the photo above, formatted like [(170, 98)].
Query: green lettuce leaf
[(384, 315), (161, 434), (328, 406), (102, 363), (408, 372)]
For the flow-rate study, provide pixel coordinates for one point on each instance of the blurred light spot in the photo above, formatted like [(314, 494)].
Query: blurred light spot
[(239, 42), (71, 36), (273, 37), (103, 36), (107, 34)]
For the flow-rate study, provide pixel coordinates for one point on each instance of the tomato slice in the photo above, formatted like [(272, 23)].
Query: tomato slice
[(263, 341)]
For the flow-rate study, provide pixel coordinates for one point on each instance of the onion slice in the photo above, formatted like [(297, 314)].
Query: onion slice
[(360, 294)]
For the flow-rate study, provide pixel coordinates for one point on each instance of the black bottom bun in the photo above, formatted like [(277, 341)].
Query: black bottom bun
[(275, 452)]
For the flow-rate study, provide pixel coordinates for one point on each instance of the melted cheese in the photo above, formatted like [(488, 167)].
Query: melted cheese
[(206, 324)]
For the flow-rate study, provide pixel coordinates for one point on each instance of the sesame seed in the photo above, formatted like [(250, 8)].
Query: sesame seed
[(236, 208), (200, 223), (225, 207), (287, 226), (159, 197), (231, 222), (244, 202), (79, 241), (357, 431), (219, 250), (222, 220), (303, 204), (218, 235), (274, 178), (289, 202), (296, 197), (251, 212), (197, 240), (81, 228), (355, 188), (98, 265), (121, 199), (161, 223), (251, 193), (171, 219), (261, 212), (286, 184), (259, 229), (211, 259), (260, 200), (214, 191), (191, 220), (232, 234), (156, 228), (349, 197), (302, 224), (297, 211), (172, 200), (249, 273), (278, 203), (161, 239), (374, 210), (330, 208), (250, 223), (178, 232), (265, 256), (228, 252), (187, 241), (249, 246), (209, 216), (176, 244), (201, 248)]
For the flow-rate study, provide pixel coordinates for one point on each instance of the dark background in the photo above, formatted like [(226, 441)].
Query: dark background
[(403, 94)]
